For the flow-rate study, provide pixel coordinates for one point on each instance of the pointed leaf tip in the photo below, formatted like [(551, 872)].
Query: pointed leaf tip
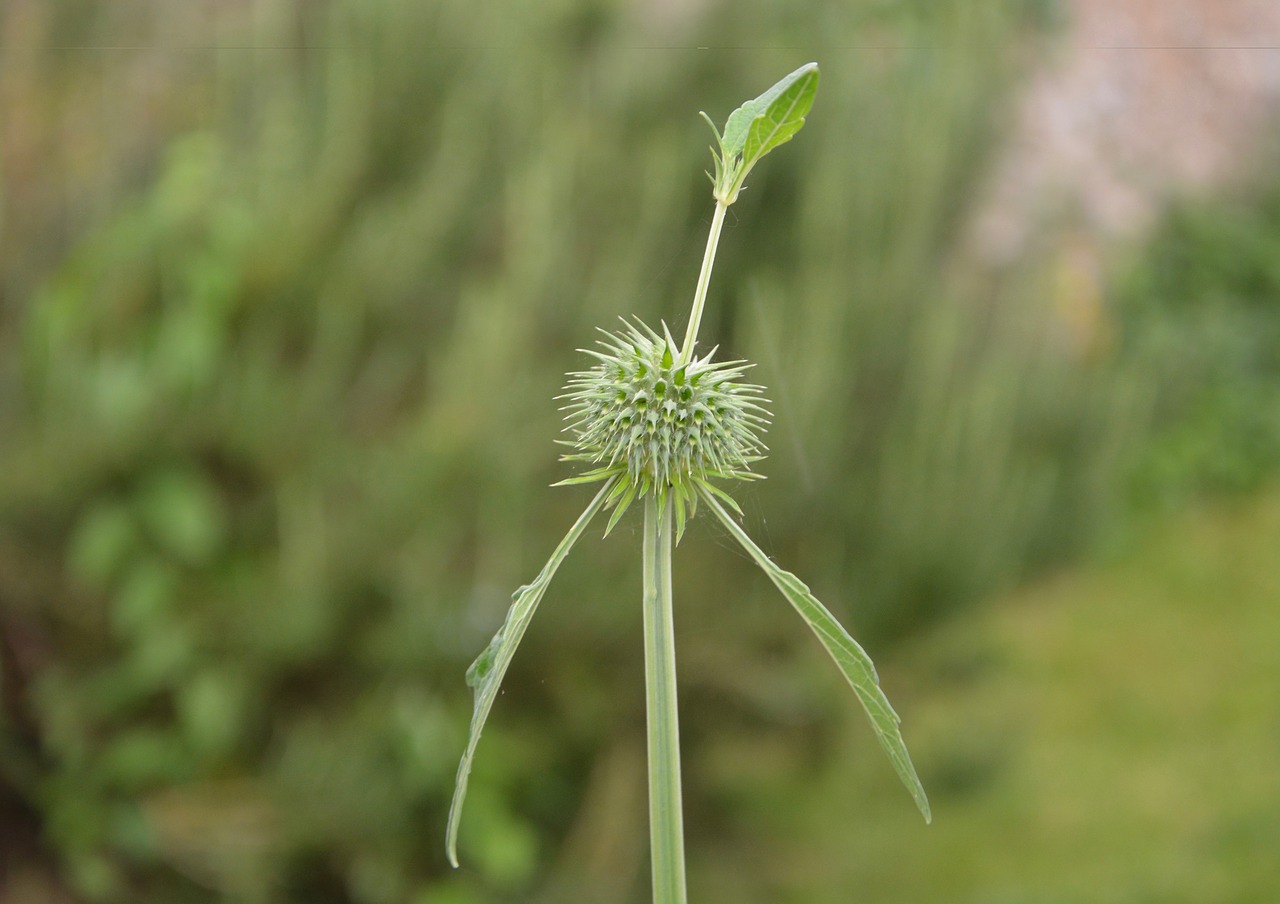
[(760, 125), (788, 103), (801, 84)]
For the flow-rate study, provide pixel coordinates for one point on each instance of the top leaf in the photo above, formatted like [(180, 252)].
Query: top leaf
[(786, 103), (760, 125), (776, 126)]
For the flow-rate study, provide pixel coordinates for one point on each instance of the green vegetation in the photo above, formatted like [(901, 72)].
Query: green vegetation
[(1201, 304), (1113, 727)]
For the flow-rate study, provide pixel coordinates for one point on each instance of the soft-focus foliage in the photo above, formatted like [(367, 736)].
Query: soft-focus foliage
[(1203, 304), (286, 291), (1105, 736)]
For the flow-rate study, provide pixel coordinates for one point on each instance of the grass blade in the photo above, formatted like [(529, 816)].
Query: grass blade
[(850, 658), (485, 674)]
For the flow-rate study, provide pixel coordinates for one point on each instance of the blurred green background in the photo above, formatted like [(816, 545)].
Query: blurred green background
[(286, 290)]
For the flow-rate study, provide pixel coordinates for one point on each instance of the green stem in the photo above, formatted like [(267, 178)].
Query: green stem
[(704, 280), (666, 822)]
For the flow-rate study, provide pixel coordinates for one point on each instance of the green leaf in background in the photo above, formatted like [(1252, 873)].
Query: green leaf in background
[(850, 658), (486, 673), (182, 511), (103, 539)]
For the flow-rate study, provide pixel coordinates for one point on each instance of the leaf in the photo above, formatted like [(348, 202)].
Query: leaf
[(714, 130), (787, 101), (709, 487), (850, 658), (624, 503), (486, 673), (786, 105), (760, 125), (737, 125)]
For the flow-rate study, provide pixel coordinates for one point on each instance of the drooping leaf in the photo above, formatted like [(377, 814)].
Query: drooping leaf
[(486, 673), (849, 657)]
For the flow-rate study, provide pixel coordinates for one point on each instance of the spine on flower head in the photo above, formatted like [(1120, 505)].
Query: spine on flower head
[(659, 425)]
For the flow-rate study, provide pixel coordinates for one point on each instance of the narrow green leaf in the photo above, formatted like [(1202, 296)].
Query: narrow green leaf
[(624, 503), (619, 487), (590, 477), (785, 107), (850, 658), (714, 130), (709, 487), (486, 673)]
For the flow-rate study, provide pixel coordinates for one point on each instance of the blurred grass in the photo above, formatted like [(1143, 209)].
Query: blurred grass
[(294, 288), (1103, 735)]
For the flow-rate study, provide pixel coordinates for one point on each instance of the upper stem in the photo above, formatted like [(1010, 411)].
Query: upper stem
[(704, 279), (666, 822)]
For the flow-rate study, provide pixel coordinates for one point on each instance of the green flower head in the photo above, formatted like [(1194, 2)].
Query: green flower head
[(653, 424)]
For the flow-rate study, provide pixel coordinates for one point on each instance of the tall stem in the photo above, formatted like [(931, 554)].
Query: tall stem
[(666, 821), (704, 280)]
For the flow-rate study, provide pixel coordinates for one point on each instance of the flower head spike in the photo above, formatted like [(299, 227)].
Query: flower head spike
[(656, 425)]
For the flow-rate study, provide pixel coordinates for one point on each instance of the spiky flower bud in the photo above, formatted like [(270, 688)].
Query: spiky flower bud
[(656, 425)]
